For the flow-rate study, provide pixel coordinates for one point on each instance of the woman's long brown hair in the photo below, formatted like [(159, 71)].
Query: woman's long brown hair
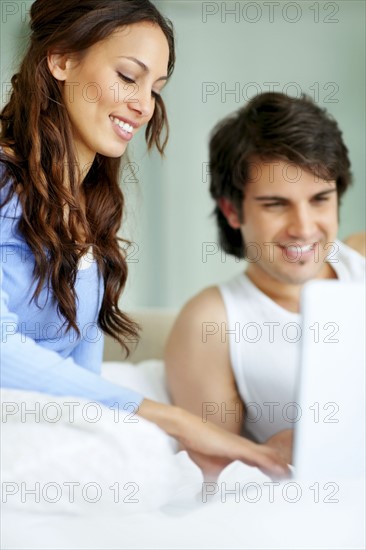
[(38, 155)]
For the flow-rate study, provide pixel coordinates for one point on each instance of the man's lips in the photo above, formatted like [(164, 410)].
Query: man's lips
[(294, 251), (293, 247)]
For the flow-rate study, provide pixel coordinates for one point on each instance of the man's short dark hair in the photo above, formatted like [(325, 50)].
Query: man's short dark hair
[(272, 126)]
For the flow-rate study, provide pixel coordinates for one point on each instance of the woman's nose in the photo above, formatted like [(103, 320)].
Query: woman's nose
[(143, 103)]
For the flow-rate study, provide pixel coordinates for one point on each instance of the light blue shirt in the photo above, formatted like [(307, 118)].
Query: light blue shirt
[(37, 354)]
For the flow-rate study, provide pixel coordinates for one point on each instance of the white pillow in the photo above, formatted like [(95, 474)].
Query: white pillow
[(146, 377)]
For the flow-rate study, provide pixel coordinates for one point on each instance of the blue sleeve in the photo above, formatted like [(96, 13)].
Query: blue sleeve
[(28, 366)]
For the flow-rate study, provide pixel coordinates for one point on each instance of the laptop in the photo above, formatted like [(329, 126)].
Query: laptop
[(330, 434)]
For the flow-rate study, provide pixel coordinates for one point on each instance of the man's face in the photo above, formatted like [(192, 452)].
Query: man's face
[(289, 222)]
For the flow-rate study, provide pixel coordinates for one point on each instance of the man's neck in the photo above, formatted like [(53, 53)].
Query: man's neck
[(286, 295)]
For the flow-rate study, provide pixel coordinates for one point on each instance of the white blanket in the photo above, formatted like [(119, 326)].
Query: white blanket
[(80, 457), (80, 476)]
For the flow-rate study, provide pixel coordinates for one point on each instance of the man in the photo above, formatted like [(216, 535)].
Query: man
[(278, 168)]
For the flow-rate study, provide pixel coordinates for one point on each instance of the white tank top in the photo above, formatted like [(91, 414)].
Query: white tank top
[(264, 342)]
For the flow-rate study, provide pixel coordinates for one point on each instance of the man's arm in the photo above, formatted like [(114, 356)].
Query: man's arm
[(200, 378), (357, 241)]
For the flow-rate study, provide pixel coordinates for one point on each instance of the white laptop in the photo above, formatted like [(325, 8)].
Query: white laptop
[(330, 435)]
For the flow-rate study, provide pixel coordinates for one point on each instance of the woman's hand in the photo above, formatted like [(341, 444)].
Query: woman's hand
[(210, 446), (213, 448), (282, 442)]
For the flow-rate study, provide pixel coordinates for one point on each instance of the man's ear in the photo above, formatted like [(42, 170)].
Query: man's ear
[(58, 65), (230, 213)]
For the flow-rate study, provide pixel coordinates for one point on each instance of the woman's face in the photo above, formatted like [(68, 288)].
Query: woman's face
[(110, 93)]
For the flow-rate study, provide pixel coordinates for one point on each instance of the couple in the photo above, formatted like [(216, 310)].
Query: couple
[(91, 78)]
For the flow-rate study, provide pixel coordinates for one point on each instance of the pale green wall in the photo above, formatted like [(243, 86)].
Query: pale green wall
[(169, 206), (14, 32), (175, 217)]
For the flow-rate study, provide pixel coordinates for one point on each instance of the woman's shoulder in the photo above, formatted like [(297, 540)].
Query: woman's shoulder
[(7, 178), (10, 207)]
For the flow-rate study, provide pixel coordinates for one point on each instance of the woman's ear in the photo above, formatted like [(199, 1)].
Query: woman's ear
[(58, 65), (230, 213)]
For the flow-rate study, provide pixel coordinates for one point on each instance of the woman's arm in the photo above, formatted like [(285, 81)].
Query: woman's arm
[(210, 446), (26, 365), (283, 442), (29, 366)]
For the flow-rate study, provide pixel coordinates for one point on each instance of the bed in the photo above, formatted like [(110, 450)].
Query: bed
[(94, 480)]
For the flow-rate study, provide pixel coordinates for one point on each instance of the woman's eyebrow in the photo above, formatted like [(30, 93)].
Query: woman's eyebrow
[(142, 65)]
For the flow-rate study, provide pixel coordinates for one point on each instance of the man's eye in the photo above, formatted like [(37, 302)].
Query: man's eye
[(321, 199), (270, 204)]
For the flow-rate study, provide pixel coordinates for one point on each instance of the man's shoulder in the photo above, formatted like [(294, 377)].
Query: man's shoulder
[(203, 313), (208, 303), (357, 241), (213, 301)]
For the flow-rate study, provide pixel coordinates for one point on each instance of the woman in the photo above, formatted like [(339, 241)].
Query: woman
[(91, 78)]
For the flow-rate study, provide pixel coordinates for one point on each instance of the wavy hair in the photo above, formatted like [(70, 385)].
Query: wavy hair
[(38, 155), (272, 126)]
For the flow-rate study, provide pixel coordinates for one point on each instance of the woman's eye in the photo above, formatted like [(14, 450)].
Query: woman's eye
[(126, 79), (131, 81)]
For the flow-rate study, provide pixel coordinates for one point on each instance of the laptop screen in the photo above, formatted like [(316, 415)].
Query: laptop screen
[(330, 434)]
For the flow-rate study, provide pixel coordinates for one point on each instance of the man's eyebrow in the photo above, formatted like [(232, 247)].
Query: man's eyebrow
[(285, 199), (333, 190), (270, 198), (142, 65)]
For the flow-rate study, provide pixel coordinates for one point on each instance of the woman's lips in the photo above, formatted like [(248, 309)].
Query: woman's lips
[(123, 130)]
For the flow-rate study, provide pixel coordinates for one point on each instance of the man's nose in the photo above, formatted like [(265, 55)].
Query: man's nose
[(302, 224)]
